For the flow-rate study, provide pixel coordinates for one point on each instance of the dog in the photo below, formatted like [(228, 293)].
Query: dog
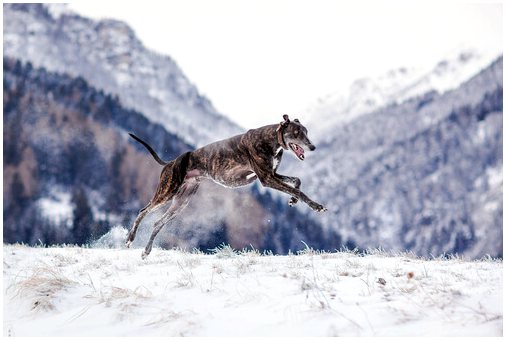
[(232, 162)]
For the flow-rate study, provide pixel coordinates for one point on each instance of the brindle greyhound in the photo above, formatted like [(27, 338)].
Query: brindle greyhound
[(232, 162)]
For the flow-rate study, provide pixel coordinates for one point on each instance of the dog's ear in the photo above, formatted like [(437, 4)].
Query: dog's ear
[(296, 120), (285, 123)]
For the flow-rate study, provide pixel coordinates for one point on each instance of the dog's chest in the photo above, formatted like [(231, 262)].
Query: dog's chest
[(277, 158)]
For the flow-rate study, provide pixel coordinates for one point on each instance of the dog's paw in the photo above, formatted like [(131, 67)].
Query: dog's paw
[(129, 239), (318, 207), (144, 255), (292, 201)]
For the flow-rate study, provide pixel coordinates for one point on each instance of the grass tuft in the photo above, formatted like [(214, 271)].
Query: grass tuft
[(223, 251), (42, 286)]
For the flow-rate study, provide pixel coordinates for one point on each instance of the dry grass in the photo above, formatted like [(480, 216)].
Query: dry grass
[(224, 251), (115, 293), (42, 286), (185, 277), (164, 317)]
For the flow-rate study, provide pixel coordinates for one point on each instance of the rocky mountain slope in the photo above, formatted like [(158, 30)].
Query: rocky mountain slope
[(109, 56), (424, 174)]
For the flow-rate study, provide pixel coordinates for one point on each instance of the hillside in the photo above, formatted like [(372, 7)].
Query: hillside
[(65, 144), (423, 175), (109, 56), (112, 292)]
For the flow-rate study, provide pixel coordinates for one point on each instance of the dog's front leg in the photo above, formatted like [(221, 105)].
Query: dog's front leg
[(274, 181), (293, 181)]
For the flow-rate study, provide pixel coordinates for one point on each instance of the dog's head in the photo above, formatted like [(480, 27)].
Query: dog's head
[(295, 137)]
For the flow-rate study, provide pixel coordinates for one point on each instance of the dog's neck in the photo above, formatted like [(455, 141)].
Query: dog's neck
[(279, 133)]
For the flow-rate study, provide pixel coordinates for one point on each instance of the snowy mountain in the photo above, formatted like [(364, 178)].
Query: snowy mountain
[(110, 57), (424, 174), (394, 87), (112, 292)]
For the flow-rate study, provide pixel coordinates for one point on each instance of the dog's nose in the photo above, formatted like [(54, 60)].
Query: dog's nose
[(312, 147)]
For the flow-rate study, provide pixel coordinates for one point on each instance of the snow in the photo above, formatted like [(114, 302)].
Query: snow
[(57, 10), (69, 291), (494, 176), (57, 207)]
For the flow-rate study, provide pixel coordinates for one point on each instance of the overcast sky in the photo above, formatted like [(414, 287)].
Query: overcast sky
[(256, 60)]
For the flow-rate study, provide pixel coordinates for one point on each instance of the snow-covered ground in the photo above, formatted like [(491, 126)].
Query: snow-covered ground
[(74, 291)]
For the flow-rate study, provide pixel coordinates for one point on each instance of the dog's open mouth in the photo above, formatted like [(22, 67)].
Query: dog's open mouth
[(297, 150)]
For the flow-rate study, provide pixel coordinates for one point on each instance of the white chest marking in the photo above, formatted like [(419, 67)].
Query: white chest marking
[(275, 161)]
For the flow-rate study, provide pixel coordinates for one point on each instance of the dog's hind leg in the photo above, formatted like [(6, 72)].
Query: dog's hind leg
[(131, 234), (181, 200), (164, 192), (142, 213)]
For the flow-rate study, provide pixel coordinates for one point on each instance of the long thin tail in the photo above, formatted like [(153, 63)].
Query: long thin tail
[(150, 149)]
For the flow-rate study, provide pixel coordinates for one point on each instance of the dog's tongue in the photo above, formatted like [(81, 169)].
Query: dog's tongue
[(298, 151)]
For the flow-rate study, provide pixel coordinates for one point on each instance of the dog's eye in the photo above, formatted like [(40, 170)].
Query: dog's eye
[(296, 132)]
